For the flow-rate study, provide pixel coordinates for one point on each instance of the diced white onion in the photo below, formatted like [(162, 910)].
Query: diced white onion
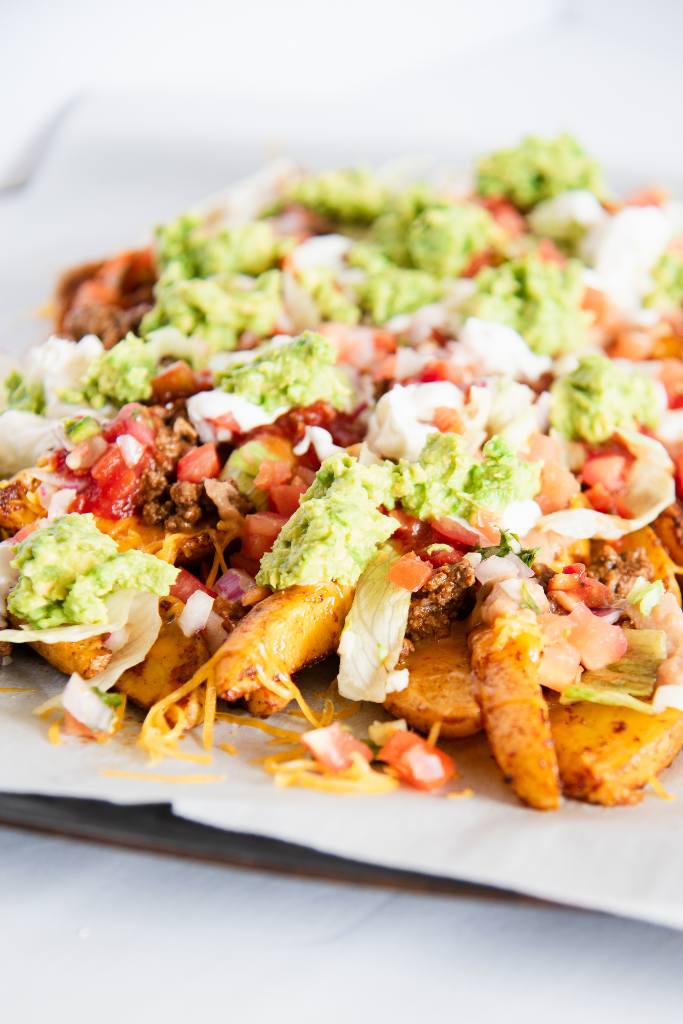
[(195, 614), (87, 707), (668, 696), (86, 454), (214, 633), (322, 442), (131, 449), (506, 567), (60, 502)]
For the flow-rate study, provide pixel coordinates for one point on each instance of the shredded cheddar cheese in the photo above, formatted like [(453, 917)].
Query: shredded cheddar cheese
[(359, 779), (433, 737), (54, 733)]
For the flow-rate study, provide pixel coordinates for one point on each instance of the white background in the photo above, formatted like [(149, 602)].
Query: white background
[(201, 92)]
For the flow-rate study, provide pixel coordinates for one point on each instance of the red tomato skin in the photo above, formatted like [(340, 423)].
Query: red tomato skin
[(416, 762), (285, 498), (608, 470), (454, 531), (260, 532), (333, 746), (199, 464), (272, 473), (186, 584), (409, 572)]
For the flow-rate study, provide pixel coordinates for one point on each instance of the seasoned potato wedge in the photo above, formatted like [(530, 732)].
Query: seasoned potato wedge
[(87, 657), (607, 754), (172, 660), (669, 528), (284, 633), (514, 710), (442, 688), (19, 503)]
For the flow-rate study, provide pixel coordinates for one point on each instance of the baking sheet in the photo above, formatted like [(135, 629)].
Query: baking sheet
[(623, 860)]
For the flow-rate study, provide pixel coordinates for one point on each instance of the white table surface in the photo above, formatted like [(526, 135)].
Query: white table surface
[(88, 932)]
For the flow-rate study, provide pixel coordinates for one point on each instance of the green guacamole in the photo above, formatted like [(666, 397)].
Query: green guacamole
[(537, 169), (68, 568), (598, 397), (667, 277), (295, 373), (331, 301), (350, 196), (539, 298), (443, 240), (188, 247), (337, 528)]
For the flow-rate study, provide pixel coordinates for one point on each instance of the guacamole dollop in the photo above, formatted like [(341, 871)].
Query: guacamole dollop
[(353, 195), (188, 247), (540, 299), (446, 481), (123, 374), (68, 568), (538, 168), (330, 299), (667, 278), (217, 309), (598, 397), (24, 394), (388, 290), (298, 372), (443, 240), (337, 528), (391, 230)]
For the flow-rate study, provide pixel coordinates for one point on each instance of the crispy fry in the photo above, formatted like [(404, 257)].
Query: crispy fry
[(87, 657), (515, 713), (442, 688), (606, 755), (284, 633)]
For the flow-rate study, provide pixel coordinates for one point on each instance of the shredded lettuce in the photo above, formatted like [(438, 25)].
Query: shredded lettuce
[(371, 642), (646, 595), (627, 682)]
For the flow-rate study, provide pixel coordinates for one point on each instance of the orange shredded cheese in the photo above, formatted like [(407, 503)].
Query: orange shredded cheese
[(433, 737), (54, 733), (16, 689), (290, 735), (120, 773), (460, 794), (228, 748), (359, 779), (209, 713), (659, 790)]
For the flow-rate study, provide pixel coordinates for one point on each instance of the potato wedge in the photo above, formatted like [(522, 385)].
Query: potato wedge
[(442, 688), (284, 633), (87, 657), (669, 528), (172, 660), (19, 503), (515, 714), (606, 755)]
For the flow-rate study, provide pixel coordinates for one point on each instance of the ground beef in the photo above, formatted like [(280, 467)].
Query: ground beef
[(446, 596), (164, 502), (109, 323), (619, 569)]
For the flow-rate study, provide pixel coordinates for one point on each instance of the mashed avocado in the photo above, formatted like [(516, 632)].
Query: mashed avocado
[(68, 568), (330, 299), (388, 290), (667, 277), (540, 299), (447, 482), (296, 373), (187, 247), (598, 397), (337, 528), (443, 240), (24, 394), (217, 309), (351, 196), (390, 231), (123, 374), (538, 169)]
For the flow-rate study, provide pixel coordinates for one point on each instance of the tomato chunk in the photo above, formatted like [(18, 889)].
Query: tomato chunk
[(199, 464), (608, 470), (285, 497), (272, 472), (175, 381), (333, 747), (186, 584), (410, 572), (416, 762), (260, 531), (448, 421), (456, 532)]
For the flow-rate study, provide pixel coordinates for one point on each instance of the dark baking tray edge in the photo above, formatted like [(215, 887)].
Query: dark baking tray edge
[(153, 828)]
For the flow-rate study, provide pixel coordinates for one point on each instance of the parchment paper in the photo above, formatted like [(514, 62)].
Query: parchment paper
[(108, 177), (622, 860)]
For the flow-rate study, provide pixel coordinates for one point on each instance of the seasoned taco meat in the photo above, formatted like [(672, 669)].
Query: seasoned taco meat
[(446, 596), (619, 569)]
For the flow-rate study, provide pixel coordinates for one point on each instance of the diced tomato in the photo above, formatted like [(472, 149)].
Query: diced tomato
[(199, 464), (133, 419), (72, 727), (653, 195), (186, 584), (671, 376), (386, 368), (333, 747), (260, 531), (410, 572), (548, 251), (448, 421), (175, 381), (95, 293), (240, 561), (226, 421), (577, 587), (439, 369), (631, 343), (285, 497), (482, 259), (442, 556), (416, 762), (271, 473), (505, 214), (112, 474), (414, 533), (486, 524), (603, 500), (558, 483), (454, 531), (608, 470), (559, 664), (598, 642)]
